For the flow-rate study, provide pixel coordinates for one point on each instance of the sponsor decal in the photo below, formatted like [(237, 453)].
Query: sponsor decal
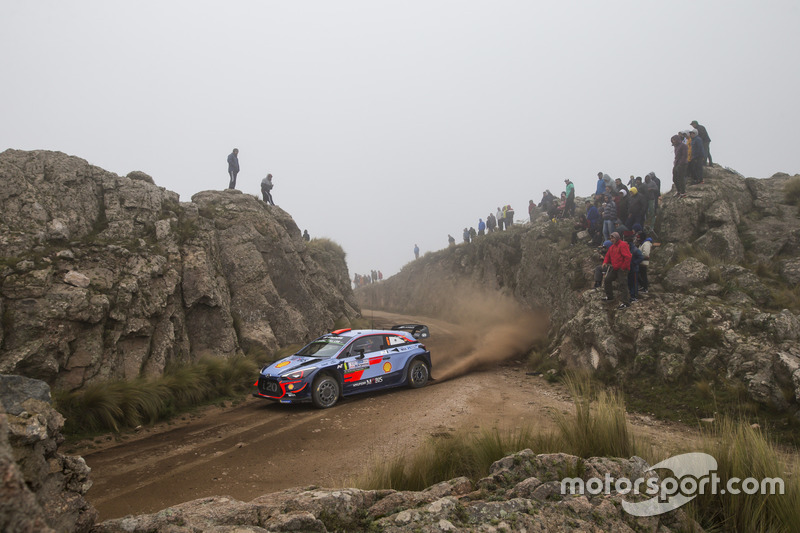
[(352, 377), (387, 367), (375, 360), (357, 365), (369, 381), (394, 339), (282, 364)]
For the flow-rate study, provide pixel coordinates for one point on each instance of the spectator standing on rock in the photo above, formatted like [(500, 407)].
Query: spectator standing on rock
[(465, 235), (609, 217), (233, 167), (266, 187), (697, 158), (679, 164), (703, 133), (600, 270), (637, 207), (646, 246), (633, 273), (595, 220), (610, 184), (509, 212), (472, 234), (501, 219), (491, 223), (531, 209), (618, 258), (450, 240), (569, 210), (601, 186), (652, 198), (481, 227), (306, 236), (416, 252)]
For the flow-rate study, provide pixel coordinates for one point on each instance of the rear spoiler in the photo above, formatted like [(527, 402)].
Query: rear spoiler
[(418, 331)]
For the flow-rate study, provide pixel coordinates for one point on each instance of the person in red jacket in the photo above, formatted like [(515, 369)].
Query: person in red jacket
[(618, 259)]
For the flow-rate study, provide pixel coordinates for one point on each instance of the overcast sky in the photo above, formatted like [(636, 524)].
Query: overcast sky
[(390, 123)]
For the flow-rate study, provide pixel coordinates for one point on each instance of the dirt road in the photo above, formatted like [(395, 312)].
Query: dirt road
[(259, 447)]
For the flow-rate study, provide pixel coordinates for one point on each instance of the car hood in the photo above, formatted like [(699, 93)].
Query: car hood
[(288, 363)]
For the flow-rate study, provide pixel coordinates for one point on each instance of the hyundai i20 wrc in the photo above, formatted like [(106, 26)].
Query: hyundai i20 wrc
[(346, 362)]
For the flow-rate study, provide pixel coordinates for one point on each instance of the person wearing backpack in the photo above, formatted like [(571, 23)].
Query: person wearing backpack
[(266, 187)]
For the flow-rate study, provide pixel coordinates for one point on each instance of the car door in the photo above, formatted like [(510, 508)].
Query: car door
[(362, 364)]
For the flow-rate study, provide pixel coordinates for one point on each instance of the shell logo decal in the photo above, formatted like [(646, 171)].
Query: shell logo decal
[(282, 364), (387, 367)]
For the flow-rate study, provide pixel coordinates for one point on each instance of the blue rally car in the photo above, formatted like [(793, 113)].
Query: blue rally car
[(346, 362)]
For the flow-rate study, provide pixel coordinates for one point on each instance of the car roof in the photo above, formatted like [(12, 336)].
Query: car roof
[(352, 333)]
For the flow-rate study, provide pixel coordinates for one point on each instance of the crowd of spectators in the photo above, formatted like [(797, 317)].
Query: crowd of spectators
[(618, 218)]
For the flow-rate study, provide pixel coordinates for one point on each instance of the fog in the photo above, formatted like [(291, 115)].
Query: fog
[(390, 124)]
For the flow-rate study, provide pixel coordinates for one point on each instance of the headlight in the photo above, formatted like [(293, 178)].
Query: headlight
[(298, 374)]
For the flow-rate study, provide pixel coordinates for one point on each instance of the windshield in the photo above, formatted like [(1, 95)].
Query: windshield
[(323, 348)]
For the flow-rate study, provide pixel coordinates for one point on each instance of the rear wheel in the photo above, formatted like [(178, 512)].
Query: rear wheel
[(418, 374), (325, 392)]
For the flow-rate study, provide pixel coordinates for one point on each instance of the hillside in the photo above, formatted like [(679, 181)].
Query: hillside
[(105, 276)]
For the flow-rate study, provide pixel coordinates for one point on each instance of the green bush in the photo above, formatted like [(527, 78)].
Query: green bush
[(327, 246), (791, 191)]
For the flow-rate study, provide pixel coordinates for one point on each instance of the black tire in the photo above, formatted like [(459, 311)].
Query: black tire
[(418, 374), (325, 392)]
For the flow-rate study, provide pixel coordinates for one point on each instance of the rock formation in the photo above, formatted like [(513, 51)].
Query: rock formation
[(42, 490), (723, 303), (103, 276)]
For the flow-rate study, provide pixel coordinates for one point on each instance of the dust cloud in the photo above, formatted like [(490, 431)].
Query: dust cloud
[(473, 328)]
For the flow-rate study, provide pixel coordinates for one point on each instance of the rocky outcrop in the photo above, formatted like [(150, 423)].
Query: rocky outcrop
[(104, 276), (42, 490), (723, 303), (522, 493)]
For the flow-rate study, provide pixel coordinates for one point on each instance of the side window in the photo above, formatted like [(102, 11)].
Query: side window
[(369, 344), (396, 340)]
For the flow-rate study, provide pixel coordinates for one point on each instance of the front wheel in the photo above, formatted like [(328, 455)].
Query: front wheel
[(325, 392), (418, 374)]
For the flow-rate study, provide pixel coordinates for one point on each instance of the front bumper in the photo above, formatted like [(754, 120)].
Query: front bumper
[(283, 391)]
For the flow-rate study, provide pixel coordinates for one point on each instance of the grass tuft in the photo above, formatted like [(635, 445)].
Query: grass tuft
[(120, 404), (744, 451)]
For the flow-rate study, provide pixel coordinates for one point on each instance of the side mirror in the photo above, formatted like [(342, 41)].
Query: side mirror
[(360, 353)]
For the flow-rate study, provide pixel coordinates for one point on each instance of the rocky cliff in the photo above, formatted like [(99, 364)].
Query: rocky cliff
[(722, 307), (104, 276)]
